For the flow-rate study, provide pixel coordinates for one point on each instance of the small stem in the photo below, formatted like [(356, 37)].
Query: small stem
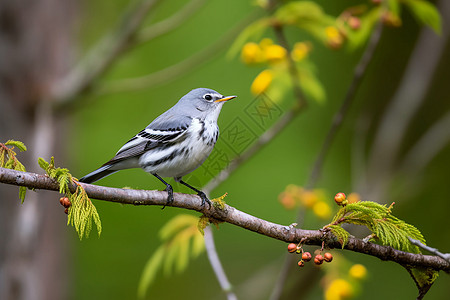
[(217, 265)]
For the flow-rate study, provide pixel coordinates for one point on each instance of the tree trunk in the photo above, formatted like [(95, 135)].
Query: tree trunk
[(35, 50)]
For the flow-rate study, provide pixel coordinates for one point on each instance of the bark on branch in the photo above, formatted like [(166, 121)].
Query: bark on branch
[(230, 215)]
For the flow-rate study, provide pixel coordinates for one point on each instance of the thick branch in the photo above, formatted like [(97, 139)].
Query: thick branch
[(230, 215)]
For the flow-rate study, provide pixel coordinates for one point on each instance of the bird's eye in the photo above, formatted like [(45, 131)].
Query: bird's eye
[(208, 97)]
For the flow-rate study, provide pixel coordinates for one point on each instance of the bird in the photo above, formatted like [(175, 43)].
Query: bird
[(174, 144)]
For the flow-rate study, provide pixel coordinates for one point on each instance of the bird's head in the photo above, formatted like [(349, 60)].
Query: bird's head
[(203, 103)]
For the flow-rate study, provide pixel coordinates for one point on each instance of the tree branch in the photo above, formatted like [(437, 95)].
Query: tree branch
[(230, 215), (174, 71), (358, 75), (98, 59), (171, 23)]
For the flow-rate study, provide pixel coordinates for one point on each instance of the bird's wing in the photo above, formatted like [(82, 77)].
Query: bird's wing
[(161, 132)]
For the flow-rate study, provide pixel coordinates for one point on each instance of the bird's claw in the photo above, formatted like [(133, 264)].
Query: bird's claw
[(204, 199), (169, 191)]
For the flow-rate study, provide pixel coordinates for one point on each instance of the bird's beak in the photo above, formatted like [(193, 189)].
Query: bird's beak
[(225, 98)]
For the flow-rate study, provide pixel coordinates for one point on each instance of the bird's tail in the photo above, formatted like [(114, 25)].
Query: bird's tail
[(98, 174)]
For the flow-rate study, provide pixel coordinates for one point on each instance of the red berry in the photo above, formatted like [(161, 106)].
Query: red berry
[(318, 260), (354, 23), (61, 200), (306, 256), (301, 263), (66, 202), (328, 257), (292, 247), (66, 211)]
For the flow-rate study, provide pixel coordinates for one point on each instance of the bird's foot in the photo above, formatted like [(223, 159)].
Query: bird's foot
[(169, 191), (204, 199)]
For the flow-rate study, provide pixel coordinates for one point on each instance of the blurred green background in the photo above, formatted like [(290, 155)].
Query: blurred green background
[(110, 267)]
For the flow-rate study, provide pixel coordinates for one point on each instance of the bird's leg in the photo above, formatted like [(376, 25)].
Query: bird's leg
[(200, 193), (169, 190)]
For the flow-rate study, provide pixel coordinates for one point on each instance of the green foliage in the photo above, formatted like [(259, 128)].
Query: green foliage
[(82, 212), (253, 31), (386, 228), (357, 38), (423, 277), (341, 234), (21, 146), (310, 84), (9, 160), (306, 15), (174, 253), (203, 221), (426, 13)]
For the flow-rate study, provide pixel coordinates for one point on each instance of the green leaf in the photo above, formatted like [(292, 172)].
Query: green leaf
[(170, 256), (311, 86), (340, 233), (378, 219), (82, 213), (357, 38), (297, 12), (21, 146), (176, 224), (198, 245), (183, 250), (149, 272), (423, 277), (253, 31), (2, 157), (22, 193), (426, 13), (306, 15), (43, 164)]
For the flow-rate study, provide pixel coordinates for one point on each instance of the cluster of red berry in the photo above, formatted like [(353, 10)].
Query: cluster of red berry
[(66, 203), (306, 256)]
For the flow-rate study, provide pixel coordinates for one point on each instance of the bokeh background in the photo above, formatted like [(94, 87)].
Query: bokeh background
[(44, 39)]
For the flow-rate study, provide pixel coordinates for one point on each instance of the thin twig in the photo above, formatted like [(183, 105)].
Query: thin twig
[(102, 55), (428, 146), (217, 265), (339, 117), (175, 71), (273, 131), (230, 215), (265, 138), (435, 251), (407, 100), (358, 75), (158, 29)]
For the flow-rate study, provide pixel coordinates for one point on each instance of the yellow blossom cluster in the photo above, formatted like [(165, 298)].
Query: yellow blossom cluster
[(294, 196), (334, 37), (267, 52), (341, 289)]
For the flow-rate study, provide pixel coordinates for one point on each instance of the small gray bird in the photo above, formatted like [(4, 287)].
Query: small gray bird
[(174, 144)]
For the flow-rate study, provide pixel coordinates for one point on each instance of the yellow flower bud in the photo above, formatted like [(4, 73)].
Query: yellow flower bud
[(334, 37), (300, 51), (252, 54), (261, 82), (341, 199), (358, 271), (265, 42), (275, 53)]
